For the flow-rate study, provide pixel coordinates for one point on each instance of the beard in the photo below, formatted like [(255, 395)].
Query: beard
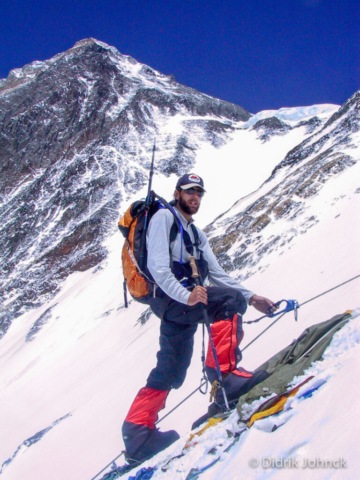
[(190, 210)]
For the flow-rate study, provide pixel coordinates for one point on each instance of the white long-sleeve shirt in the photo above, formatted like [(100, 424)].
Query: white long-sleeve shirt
[(158, 263)]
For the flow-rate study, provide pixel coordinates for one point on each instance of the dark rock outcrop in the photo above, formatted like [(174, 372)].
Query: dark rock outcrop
[(325, 154), (269, 127), (76, 133), (336, 131)]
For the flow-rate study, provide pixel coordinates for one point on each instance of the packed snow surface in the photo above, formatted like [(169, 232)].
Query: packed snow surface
[(66, 391)]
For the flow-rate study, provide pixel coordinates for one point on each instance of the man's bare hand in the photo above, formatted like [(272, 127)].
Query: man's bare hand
[(199, 294), (262, 304)]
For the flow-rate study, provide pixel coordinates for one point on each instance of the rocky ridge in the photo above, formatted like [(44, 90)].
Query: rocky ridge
[(76, 134), (241, 240)]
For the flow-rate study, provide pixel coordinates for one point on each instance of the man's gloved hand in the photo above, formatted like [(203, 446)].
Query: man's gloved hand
[(262, 304), (199, 294)]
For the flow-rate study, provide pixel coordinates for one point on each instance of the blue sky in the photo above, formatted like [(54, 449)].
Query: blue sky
[(260, 54)]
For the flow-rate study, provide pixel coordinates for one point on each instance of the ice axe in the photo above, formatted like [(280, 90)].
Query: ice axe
[(196, 276)]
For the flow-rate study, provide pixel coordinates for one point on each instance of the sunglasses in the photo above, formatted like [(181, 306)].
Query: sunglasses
[(191, 191)]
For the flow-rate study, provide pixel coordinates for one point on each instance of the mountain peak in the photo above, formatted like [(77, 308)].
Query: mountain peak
[(90, 41), (82, 124)]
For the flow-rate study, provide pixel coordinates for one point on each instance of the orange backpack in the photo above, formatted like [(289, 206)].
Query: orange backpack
[(133, 225)]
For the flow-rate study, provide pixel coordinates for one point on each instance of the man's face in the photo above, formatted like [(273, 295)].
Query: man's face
[(189, 203)]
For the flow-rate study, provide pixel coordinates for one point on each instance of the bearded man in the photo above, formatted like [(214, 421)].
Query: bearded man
[(178, 302)]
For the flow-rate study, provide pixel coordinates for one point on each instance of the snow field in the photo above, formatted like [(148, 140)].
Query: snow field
[(91, 358)]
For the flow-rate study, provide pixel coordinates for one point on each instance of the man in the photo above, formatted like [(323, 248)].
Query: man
[(178, 303)]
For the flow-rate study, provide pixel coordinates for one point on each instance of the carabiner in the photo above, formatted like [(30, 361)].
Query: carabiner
[(290, 305)]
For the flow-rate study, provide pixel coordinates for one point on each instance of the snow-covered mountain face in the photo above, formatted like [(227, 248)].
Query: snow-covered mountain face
[(76, 136), (289, 203), (76, 133)]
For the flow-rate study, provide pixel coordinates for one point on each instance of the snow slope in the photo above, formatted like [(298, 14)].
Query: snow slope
[(71, 368), (320, 428), (309, 438), (234, 170)]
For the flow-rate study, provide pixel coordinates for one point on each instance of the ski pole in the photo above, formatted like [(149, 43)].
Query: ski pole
[(196, 276)]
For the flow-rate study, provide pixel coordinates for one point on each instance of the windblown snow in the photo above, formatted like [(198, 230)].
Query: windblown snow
[(71, 367), (294, 114), (92, 356)]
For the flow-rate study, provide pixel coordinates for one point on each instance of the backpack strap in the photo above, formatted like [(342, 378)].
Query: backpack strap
[(173, 234), (185, 237), (174, 230), (190, 246), (197, 241)]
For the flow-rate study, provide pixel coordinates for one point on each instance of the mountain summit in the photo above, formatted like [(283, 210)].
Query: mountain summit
[(75, 137), (280, 210), (76, 134)]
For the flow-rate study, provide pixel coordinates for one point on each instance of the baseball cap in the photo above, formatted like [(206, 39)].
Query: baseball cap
[(190, 180)]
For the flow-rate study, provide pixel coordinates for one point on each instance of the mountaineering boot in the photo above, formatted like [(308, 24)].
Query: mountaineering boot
[(235, 386), (142, 442), (142, 439), (236, 383)]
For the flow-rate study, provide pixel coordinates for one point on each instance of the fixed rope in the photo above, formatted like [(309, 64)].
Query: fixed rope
[(266, 329), (301, 305), (108, 465), (182, 401)]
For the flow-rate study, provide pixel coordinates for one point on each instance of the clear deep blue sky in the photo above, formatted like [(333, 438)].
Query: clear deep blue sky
[(260, 54)]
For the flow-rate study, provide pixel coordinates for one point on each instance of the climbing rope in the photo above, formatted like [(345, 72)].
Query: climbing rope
[(290, 305), (182, 401), (288, 308), (112, 463), (282, 313), (301, 305)]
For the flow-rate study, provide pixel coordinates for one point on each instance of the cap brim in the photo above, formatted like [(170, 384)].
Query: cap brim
[(192, 185)]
